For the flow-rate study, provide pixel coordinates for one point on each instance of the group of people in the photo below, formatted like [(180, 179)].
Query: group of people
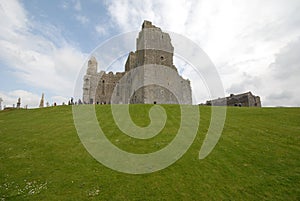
[(71, 102)]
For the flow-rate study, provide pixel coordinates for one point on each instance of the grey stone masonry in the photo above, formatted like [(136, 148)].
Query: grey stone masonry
[(150, 77)]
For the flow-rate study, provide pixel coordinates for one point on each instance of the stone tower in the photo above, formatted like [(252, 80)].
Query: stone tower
[(91, 80), (154, 48)]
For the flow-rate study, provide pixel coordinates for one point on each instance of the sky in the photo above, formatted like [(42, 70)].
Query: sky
[(254, 44)]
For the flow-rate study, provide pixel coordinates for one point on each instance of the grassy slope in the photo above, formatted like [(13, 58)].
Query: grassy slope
[(257, 157)]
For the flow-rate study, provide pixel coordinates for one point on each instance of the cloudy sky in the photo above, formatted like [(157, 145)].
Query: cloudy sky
[(254, 44)]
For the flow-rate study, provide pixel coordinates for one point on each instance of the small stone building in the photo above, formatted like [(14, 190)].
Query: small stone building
[(153, 49), (242, 100)]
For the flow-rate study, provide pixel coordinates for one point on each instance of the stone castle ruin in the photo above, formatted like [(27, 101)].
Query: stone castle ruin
[(242, 100), (150, 77)]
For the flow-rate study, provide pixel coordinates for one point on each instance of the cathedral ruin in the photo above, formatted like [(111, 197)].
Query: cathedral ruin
[(153, 49)]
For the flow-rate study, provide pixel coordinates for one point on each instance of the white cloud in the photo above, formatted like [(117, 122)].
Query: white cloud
[(249, 83), (283, 76), (82, 19), (101, 29), (46, 60), (241, 37)]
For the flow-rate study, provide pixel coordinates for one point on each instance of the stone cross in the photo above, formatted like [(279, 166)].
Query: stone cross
[(42, 101), (19, 103)]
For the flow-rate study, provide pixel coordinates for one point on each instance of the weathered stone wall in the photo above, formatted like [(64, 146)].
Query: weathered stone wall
[(131, 62), (106, 86), (159, 95), (254, 101), (170, 78), (151, 37)]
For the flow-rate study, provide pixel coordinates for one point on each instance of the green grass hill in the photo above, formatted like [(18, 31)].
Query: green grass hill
[(256, 158)]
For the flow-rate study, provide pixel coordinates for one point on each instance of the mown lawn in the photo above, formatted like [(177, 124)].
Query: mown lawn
[(256, 158)]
